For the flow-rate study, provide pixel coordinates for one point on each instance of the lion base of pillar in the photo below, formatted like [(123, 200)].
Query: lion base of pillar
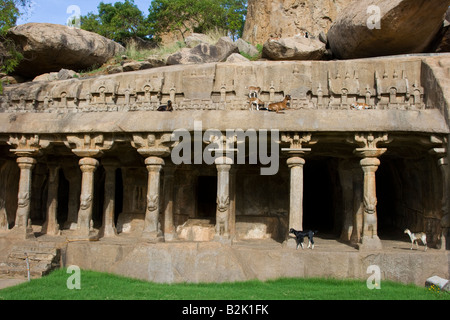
[(224, 239), (21, 233), (152, 236), (370, 243)]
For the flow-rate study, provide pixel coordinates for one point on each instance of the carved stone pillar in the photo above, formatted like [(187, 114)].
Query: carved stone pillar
[(223, 165), (26, 165), (296, 193), (369, 164), (154, 148), (51, 226), (88, 166), (152, 227), (169, 228), (296, 162), (442, 157), (88, 147), (445, 221), (27, 147), (108, 227), (232, 218), (358, 206)]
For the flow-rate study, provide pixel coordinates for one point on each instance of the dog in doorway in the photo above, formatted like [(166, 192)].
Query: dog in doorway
[(300, 235)]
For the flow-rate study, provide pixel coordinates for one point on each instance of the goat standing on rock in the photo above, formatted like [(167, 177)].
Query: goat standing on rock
[(278, 106)]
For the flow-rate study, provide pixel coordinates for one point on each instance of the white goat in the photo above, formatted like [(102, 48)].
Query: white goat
[(415, 237)]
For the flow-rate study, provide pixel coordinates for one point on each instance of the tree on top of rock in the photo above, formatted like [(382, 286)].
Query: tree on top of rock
[(186, 16), (119, 21), (9, 13)]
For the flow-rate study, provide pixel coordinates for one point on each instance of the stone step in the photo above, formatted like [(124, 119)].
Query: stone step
[(41, 260), (17, 270)]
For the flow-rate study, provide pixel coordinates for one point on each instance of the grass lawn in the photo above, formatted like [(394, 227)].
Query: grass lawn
[(102, 286)]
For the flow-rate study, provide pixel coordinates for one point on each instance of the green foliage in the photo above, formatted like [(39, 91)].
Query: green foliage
[(200, 16), (118, 21), (123, 20), (9, 56), (102, 286)]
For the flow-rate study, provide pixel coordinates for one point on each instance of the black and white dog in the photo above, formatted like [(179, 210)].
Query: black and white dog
[(301, 234)]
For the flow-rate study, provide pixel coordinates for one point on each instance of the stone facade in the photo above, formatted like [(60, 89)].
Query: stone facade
[(312, 85), (94, 158)]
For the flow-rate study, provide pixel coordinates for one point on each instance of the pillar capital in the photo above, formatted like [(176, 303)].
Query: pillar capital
[(154, 164), (27, 145), (370, 164), (88, 145), (152, 145), (26, 162), (296, 141), (295, 162), (223, 164), (370, 140), (88, 164)]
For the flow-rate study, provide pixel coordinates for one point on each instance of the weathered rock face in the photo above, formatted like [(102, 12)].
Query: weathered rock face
[(442, 41), (276, 18), (295, 48), (195, 39), (205, 53), (405, 26), (50, 47)]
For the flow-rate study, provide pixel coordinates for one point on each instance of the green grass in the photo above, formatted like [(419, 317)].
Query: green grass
[(102, 286)]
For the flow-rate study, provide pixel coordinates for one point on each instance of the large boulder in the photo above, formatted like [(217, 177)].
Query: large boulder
[(50, 47), (283, 19), (442, 41), (247, 48), (295, 48), (404, 26), (195, 39), (205, 53)]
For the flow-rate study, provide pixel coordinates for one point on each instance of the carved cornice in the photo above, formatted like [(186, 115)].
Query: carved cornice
[(368, 143), (27, 145), (156, 145), (296, 142), (222, 144), (88, 145)]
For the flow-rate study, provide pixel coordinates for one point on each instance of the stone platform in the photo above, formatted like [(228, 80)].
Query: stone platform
[(184, 261)]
